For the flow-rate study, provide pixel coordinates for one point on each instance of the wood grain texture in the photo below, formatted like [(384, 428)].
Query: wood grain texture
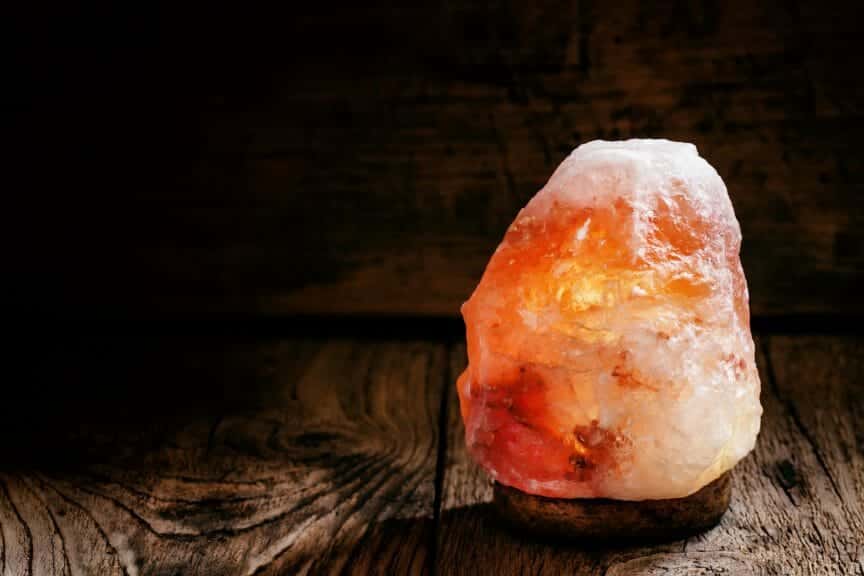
[(329, 460), (821, 382), (786, 515), (367, 160), (329, 467), (407, 176)]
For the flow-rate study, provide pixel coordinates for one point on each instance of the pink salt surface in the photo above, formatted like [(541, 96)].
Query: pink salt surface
[(609, 345)]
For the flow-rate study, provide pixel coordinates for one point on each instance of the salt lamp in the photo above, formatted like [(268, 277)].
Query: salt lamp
[(610, 355)]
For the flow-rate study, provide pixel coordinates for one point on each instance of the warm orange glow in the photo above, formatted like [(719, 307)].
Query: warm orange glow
[(580, 330)]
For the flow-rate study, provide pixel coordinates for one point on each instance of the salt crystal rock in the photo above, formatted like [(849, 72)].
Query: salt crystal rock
[(609, 345)]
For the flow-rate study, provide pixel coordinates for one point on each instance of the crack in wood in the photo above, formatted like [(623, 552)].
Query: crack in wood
[(441, 457), (66, 563), (796, 418), (7, 494), (2, 549), (110, 545)]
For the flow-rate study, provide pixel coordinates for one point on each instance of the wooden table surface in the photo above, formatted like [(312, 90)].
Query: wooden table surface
[(347, 455)]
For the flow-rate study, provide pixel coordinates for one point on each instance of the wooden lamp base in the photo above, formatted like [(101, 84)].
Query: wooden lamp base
[(615, 520)]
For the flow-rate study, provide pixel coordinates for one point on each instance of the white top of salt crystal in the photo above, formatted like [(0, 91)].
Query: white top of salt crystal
[(644, 171), (650, 144)]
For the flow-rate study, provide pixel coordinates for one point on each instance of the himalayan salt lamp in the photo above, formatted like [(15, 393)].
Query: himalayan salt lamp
[(611, 382)]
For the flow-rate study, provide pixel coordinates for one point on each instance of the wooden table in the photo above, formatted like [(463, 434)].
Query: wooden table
[(347, 455)]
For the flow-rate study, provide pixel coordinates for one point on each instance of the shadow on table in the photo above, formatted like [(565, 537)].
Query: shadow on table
[(474, 535), (86, 397)]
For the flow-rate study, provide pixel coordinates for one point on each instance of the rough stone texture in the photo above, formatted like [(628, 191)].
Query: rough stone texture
[(609, 346)]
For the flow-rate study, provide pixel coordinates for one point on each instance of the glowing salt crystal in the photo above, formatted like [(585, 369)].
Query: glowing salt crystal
[(609, 345)]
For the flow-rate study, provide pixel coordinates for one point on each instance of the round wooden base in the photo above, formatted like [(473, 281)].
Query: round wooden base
[(615, 520)]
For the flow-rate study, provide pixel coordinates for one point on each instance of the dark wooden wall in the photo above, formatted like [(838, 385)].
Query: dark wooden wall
[(366, 159)]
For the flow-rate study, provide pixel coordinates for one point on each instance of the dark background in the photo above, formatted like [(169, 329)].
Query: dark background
[(184, 176)]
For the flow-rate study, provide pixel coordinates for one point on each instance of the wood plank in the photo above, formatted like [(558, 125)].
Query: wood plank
[(407, 182), (786, 516), (370, 163), (327, 464), (821, 382)]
